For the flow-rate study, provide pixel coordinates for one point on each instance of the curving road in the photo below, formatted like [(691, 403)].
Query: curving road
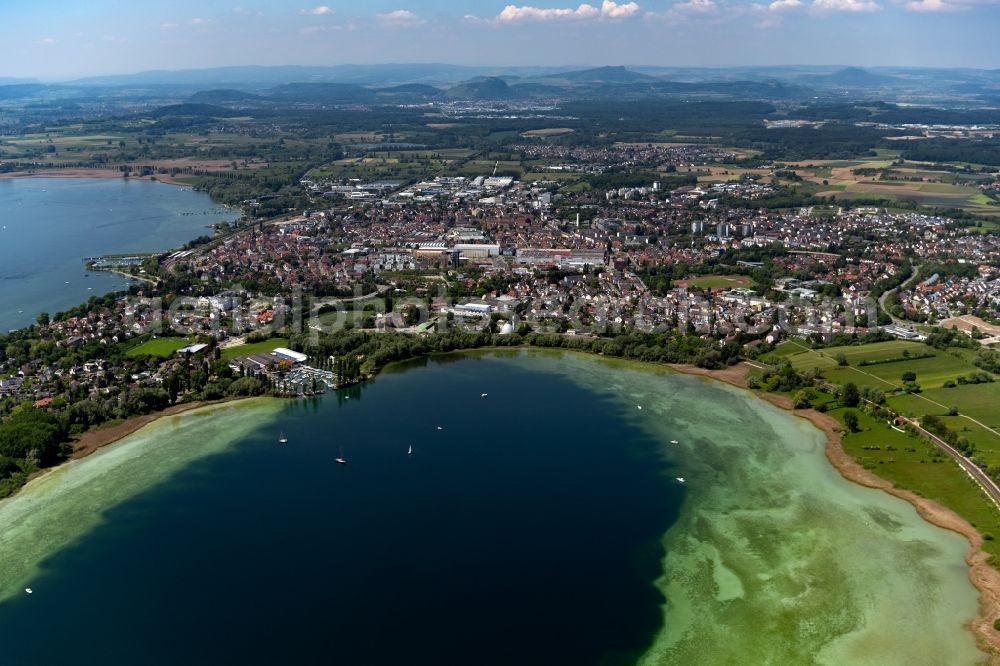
[(988, 485), (979, 476)]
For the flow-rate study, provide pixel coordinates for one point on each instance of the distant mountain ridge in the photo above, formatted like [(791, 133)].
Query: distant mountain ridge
[(605, 75), (855, 77)]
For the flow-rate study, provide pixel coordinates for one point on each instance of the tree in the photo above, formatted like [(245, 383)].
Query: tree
[(909, 376), (42, 319), (173, 387), (851, 421), (841, 359), (803, 399), (849, 396)]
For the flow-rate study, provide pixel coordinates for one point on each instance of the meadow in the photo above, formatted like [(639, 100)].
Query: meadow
[(913, 463), (900, 456), (159, 347)]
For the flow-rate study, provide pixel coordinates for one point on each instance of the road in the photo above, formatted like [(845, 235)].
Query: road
[(979, 476), (988, 485)]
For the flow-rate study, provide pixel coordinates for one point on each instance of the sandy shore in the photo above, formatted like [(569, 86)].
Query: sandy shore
[(92, 440), (984, 577)]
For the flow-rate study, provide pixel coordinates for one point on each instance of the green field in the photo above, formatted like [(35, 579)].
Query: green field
[(907, 460), (264, 347), (720, 282), (980, 401), (931, 372), (914, 464), (159, 347)]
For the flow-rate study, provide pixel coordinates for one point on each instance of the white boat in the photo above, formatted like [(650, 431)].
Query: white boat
[(440, 428), (282, 439), (638, 406), (409, 451), (341, 460), (674, 441), (28, 590), (681, 479), (484, 395)]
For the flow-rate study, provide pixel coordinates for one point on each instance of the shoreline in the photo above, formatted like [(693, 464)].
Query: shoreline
[(89, 172), (983, 577), (92, 441)]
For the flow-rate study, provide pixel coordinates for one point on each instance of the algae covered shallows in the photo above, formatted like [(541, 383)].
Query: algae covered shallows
[(66, 503), (773, 558), (776, 558)]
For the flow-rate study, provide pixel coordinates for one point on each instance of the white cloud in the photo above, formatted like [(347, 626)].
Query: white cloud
[(400, 18), (681, 12), (608, 10), (929, 6), (513, 13), (854, 6), (694, 7), (782, 5), (48, 41), (169, 26), (615, 10), (937, 6), (200, 21), (322, 10)]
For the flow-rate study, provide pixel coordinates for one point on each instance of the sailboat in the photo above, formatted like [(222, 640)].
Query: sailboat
[(341, 460), (409, 451), (282, 439)]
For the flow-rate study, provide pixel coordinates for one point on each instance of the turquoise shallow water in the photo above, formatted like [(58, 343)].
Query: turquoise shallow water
[(49, 225), (543, 524)]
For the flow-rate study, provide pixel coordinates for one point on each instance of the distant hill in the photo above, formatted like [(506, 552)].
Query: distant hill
[(733, 89), (855, 77), (257, 77), (321, 93), (416, 92), (489, 87), (605, 75), (21, 90), (222, 97)]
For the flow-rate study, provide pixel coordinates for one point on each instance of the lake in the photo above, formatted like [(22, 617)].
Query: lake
[(541, 524), (49, 225)]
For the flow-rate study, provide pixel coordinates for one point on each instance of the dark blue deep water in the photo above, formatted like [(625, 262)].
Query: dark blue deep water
[(527, 531)]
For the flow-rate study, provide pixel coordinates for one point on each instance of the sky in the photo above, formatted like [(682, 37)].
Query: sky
[(63, 39)]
